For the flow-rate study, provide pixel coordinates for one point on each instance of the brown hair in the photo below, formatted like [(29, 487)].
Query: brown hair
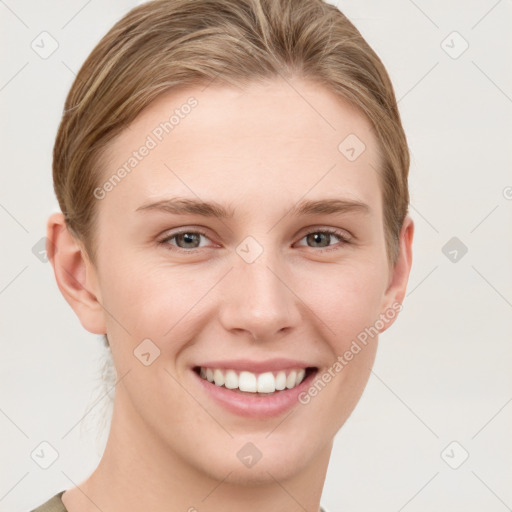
[(165, 44)]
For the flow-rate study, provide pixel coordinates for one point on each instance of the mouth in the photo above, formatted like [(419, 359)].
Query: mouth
[(267, 383), (257, 390)]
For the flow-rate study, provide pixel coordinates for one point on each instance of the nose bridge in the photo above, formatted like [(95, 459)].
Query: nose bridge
[(258, 301)]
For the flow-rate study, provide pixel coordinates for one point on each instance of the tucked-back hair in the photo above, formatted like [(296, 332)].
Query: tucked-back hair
[(166, 44)]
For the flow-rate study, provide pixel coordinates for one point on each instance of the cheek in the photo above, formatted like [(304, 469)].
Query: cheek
[(154, 300), (150, 298), (346, 297)]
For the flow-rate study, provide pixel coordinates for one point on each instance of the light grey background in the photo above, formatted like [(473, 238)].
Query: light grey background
[(443, 371)]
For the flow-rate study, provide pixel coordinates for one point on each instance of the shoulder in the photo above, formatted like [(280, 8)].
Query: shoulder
[(54, 504)]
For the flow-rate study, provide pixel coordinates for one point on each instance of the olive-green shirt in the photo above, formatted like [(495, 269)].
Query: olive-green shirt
[(55, 504)]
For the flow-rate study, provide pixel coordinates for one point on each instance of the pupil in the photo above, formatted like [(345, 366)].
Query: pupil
[(189, 238), (316, 238)]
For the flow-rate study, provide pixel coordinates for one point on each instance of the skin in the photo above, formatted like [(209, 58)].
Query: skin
[(258, 151)]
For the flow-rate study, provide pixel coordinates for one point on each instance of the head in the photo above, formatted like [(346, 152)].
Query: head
[(232, 176)]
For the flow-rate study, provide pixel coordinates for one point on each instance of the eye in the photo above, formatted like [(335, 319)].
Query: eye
[(322, 238), (185, 240)]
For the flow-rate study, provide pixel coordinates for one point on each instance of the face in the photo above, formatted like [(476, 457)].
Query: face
[(245, 245)]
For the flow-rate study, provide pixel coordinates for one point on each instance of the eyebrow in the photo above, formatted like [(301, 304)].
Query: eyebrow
[(181, 206)]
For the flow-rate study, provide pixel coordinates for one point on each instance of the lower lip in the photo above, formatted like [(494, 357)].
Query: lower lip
[(253, 405)]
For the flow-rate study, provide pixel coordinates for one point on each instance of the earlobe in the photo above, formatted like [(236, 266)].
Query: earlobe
[(399, 273), (73, 273)]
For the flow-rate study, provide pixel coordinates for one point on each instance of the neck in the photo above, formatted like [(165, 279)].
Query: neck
[(138, 472)]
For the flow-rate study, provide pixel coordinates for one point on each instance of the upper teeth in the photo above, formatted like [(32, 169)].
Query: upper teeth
[(267, 382)]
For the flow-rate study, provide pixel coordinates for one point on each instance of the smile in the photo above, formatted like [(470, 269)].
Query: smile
[(249, 382), (253, 389)]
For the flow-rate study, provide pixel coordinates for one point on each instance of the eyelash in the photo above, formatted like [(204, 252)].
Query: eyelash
[(343, 239), (331, 231)]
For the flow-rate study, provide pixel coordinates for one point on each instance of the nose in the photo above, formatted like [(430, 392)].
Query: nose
[(258, 299)]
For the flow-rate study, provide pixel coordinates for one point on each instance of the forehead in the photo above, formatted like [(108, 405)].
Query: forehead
[(254, 145)]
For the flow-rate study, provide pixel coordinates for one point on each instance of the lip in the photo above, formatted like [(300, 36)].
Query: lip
[(255, 405), (270, 365)]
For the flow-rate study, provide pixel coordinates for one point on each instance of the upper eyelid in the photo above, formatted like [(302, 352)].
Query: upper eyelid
[(169, 233), (344, 238)]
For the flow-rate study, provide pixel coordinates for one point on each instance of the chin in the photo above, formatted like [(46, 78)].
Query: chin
[(257, 461)]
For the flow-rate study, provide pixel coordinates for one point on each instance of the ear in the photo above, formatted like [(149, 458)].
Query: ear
[(399, 274), (75, 274)]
